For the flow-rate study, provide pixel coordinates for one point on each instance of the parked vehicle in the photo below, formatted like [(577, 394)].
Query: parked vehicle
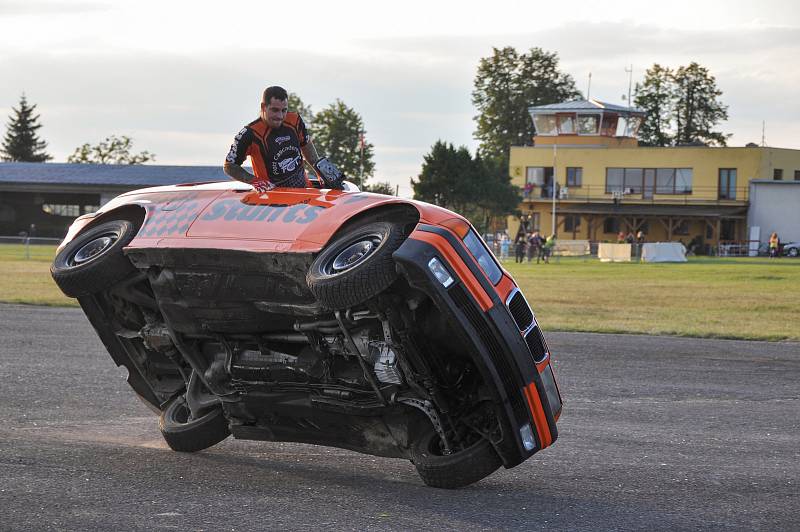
[(338, 318), (792, 249)]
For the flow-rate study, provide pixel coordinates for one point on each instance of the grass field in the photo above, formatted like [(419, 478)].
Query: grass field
[(706, 297)]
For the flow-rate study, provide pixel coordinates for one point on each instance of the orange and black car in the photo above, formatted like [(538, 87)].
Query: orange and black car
[(339, 318)]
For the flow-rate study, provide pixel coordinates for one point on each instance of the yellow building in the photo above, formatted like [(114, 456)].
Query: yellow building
[(607, 184)]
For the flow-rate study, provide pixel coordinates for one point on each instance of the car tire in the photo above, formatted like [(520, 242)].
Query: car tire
[(455, 470), (93, 261), (191, 435), (356, 266), (793, 252)]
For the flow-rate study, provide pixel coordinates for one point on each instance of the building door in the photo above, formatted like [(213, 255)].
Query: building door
[(547, 186), (649, 183)]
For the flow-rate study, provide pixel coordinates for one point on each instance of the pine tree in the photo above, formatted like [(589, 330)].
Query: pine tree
[(21, 143), (697, 108), (656, 96)]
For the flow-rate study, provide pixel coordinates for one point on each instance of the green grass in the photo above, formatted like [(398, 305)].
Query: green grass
[(25, 276), (742, 298), (746, 298)]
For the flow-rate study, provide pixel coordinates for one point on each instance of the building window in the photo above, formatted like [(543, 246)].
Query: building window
[(566, 124), (574, 176), (682, 228), (611, 225), (624, 180), (536, 175), (588, 124), (529, 222), (572, 223), (777, 174), (797, 175), (727, 183), (615, 179), (674, 180), (545, 125), (73, 211)]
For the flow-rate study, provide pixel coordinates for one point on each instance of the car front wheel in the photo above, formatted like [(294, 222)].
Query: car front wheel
[(356, 266), (93, 261)]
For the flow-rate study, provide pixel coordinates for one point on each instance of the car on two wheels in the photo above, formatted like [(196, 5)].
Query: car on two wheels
[(338, 318)]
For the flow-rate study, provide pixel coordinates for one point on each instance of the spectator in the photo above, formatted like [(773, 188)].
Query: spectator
[(548, 247), (630, 238), (534, 246), (519, 248), (774, 245), (504, 245), (620, 238), (639, 243)]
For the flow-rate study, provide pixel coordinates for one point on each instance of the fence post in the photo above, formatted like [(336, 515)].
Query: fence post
[(27, 248)]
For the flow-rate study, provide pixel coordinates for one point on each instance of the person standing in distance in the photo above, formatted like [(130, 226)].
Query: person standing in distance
[(277, 142)]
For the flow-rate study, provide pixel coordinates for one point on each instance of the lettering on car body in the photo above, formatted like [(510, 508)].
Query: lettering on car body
[(230, 210)]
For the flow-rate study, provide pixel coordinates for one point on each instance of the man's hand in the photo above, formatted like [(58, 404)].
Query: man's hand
[(330, 175), (262, 186)]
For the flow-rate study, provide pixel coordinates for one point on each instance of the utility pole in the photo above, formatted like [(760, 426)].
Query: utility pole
[(553, 184)]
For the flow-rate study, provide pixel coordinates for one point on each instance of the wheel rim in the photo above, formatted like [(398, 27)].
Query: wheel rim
[(93, 249), (354, 254)]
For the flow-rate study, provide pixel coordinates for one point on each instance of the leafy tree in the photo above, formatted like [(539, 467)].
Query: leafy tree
[(656, 96), (697, 108), (506, 85), (296, 105), (21, 143), (337, 132), (476, 188), (381, 187), (112, 150)]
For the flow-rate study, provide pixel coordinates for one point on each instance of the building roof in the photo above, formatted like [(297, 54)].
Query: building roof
[(115, 175), (585, 105)]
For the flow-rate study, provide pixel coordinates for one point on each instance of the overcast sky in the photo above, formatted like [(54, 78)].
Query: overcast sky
[(182, 77)]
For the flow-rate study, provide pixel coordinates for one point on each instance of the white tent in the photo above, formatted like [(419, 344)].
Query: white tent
[(664, 252)]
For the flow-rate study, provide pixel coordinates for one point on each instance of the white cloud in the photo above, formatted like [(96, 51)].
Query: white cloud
[(182, 82)]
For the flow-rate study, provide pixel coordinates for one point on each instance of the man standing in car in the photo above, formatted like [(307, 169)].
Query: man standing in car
[(277, 142)]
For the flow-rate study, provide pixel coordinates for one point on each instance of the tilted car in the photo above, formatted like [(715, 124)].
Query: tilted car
[(338, 318)]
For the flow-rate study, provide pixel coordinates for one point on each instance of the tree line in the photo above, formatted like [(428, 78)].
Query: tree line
[(682, 107)]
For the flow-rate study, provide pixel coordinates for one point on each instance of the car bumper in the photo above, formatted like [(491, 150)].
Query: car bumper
[(525, 388)]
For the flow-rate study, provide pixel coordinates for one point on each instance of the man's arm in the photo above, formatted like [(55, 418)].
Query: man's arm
[(237, 155), (237, 172), (310, 153)]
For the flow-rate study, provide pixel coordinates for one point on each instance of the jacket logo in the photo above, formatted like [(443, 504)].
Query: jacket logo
[(281, 140)]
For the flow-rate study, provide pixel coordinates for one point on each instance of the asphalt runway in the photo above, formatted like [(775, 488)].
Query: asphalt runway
[(657, 433)]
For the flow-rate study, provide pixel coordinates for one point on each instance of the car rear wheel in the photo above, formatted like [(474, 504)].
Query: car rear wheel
[(93, 260), (454, 470), (793, 252), (357, 265), (188, 435)]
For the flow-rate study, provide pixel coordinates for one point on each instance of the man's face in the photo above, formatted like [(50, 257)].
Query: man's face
[(274, 112)]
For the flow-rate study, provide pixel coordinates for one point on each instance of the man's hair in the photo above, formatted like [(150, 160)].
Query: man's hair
[(279, 93)]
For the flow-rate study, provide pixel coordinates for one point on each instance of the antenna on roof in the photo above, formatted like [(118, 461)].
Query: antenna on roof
[(763, 133), (630, 82), (589, 88)]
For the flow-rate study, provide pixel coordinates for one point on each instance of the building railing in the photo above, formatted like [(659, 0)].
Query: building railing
[(638, 195)]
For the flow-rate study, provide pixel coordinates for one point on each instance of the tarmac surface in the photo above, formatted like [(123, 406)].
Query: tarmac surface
[(656, 433)]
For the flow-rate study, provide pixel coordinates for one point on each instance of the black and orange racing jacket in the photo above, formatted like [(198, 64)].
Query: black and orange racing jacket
[(274, 153)]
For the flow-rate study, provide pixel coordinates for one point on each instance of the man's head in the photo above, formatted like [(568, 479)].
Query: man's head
[(274, 105)]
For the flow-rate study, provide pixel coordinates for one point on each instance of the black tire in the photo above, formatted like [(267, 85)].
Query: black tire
[(792, 252), (356, 265), (455, 470), (93, 261), (191, 435)]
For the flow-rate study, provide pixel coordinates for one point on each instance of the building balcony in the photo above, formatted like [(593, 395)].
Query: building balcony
[(638, 195)]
